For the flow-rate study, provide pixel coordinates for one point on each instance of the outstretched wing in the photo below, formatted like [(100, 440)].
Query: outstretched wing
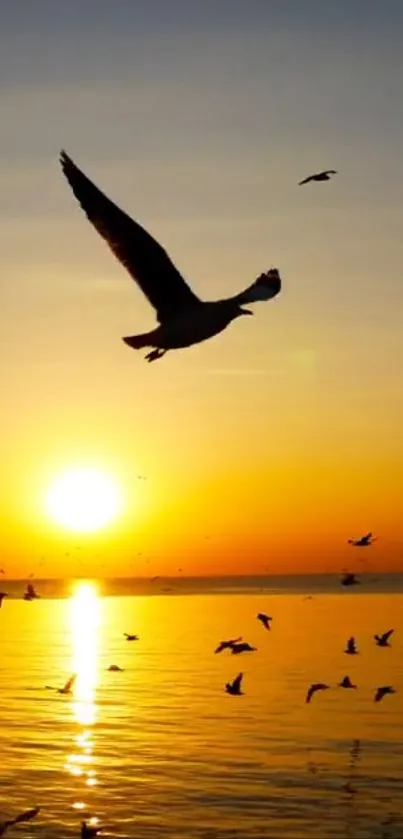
[(70, 682), (26, 816), (264, 288), (236, 684), (386, 635), (145, 260), (306, 180)]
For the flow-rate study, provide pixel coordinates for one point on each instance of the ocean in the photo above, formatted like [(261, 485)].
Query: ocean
[(160, 750)]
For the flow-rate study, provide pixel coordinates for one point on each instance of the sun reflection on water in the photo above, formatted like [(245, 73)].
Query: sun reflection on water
[(85, 621)]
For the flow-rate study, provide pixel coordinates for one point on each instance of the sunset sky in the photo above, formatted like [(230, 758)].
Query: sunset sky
[(269, 446)]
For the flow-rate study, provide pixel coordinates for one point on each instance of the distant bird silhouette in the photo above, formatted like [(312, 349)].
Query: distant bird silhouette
[(225, 645), (183, 318), (234, 688), (347, 683), (3, 594), (23, 817), (350, 580), (319, 176), (383, 691), (89, 831), (383, 640), (114, 668), (351, 648), (67, 687), (264, 619), (363, 541), (314, 688), (130, 637), (30, 593), (242, 648)]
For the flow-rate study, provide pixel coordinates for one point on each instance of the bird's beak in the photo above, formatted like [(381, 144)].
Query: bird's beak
[(245, 312)]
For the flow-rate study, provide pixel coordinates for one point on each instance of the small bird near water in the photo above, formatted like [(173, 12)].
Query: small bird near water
[(350, 579), (234, 688), (67, 687), (319, 176), (363, 541), (114, 668), (383, 640), (264, 620), (347, 683), (183, 318), (383, 691), (351, 648), (226, 645), (130, 637), (236, 649), (26, 816), (314, 688), (30, 593)]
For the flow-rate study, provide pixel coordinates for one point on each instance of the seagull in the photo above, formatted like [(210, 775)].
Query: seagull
[(381, 692), (382, 640), (88, 831), (114, 668), (319, 176), (183, 318), (347, 683), (23, 817), (363, 541), (242, 648), (264, 619), (67, 687), (317, 686), (130, 637), (234, 688), (3, 594), (30, 593), (351, 648), (350, 580), (225, 645)]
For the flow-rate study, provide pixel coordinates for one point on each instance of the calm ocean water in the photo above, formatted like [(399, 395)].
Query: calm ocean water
[(160, 750)]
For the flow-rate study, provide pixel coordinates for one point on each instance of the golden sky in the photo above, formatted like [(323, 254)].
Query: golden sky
[(269, 446)]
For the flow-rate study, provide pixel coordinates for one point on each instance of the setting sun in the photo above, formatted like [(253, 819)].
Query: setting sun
[(83, 500)]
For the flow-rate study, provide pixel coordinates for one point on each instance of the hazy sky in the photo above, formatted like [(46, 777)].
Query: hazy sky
[(267, 447)]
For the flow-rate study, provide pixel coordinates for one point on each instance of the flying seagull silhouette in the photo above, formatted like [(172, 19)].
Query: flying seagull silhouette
[(236, 649), (314, 688), (114, 668), (383, 691), (319, 176), (30, 593), (67, 687), (130, 637), (183, 318), (23, 817), (347, 683), (3, 594), (264, 620), (351, 648), (363, 541), (383, 640), (234, 688), (225, 645), (350, 579)]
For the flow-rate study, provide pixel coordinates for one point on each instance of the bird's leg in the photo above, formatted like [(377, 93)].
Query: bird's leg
[(154, 354)]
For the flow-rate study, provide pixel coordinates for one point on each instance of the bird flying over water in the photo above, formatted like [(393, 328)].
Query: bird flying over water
[(225, 645), (67, 687), (234, 688), (3, 594), (130, 637), (383, 691), (351, 648), (363, 541), (349, 579), (242, 648), (347, 683), (26, 816), (114, 668), (30, 593), (264, 620), (383, 640), (319, 176), (183, 318), (314, 688)]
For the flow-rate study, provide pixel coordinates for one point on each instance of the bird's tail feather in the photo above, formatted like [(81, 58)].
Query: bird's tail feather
[(137, 342), (265, 287)]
